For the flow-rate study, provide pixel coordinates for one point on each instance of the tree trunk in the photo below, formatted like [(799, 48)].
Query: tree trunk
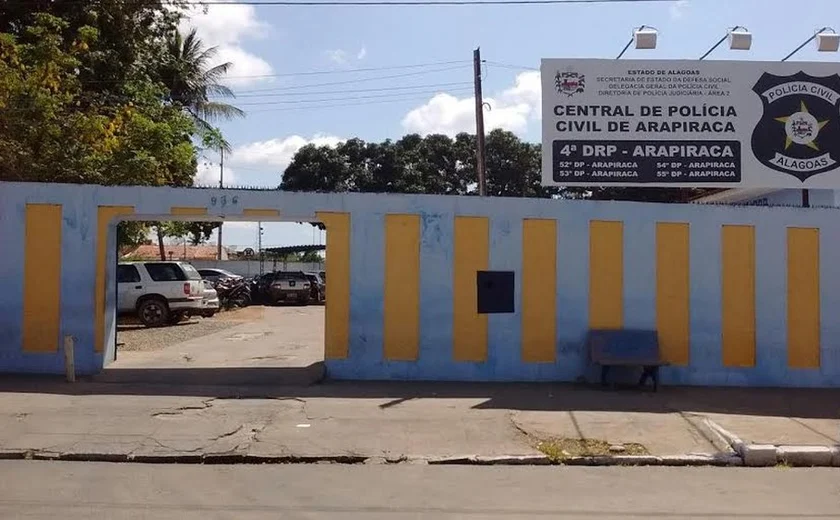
[(160, 243)]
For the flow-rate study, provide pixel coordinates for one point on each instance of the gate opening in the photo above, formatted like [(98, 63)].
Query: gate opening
[(186, 312)]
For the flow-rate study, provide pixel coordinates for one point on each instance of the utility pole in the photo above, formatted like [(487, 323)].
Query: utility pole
[(221, 185), (259, 245), (479, 124)]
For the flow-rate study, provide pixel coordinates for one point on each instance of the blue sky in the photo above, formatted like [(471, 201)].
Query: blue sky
[(267, 40)]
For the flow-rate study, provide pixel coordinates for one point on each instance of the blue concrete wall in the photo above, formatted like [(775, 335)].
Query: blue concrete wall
[(365, 359)]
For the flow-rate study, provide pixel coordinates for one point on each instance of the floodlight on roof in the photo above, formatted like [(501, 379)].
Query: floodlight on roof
[(827, 41), (644, 37), (740, 39)]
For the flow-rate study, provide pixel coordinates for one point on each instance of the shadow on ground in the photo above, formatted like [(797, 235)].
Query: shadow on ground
[(303, 382)]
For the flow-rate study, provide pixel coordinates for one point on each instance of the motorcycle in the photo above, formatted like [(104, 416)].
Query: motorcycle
[(233, 293)]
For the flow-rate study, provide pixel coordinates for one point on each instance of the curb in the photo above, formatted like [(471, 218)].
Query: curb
[(471, 460), (714, 434), (763, 455)]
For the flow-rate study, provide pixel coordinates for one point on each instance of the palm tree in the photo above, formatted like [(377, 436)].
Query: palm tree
[(192, 82)]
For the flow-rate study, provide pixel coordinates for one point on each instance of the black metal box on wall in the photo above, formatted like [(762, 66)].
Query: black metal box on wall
[(495, 291)]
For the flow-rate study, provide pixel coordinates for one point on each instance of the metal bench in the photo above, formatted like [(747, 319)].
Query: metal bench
[(627, 347)]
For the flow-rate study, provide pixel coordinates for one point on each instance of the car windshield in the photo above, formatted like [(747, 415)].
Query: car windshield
[(191, 272)]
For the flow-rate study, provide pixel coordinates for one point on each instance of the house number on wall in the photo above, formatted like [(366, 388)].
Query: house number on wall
[(224, 200)]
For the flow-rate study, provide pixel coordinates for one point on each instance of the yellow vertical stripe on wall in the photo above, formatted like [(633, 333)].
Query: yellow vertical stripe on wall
[(181, 211), (606, 274), (539, 290), (42, 278), (104, 215), (472, 252), (337, 312), (738, 296), (402, 287), (672, 291), (803, 297), (259, 212)]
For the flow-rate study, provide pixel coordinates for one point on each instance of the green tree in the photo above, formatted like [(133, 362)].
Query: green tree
[(195, 232), (131, 234), (54, 129), (192, 82), (129, 40), (433, 164), (214, 140), (437, 164), (513, 167), (321, 169), (311, 257)]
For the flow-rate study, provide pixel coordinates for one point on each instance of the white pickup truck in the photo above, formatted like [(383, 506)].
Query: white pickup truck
[(159, 293)]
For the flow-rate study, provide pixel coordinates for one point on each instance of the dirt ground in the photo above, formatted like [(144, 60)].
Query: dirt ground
[(134, 337), (254, 346)]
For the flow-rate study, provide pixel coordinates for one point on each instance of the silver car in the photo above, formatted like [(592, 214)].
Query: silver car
[(214, 275), (210, 300)]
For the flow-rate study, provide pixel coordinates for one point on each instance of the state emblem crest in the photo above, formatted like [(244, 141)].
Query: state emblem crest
[(799, 131)]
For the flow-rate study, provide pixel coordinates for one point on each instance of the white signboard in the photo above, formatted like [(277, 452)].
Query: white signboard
[(681, 123)]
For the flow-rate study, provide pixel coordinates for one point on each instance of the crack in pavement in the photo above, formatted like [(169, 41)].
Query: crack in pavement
[(251, 437), (205, 404), (530, 438), (229, 434), (807, 427)]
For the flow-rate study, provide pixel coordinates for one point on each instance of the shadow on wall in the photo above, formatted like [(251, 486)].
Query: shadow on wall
[(280, 383)]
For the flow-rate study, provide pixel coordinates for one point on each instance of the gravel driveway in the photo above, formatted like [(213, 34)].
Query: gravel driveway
[(135, 337)]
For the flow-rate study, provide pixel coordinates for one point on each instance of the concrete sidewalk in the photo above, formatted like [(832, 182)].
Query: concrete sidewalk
[(397, 421)]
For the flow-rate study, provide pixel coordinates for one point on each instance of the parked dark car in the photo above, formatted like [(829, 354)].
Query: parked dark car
[(318, 287), (288, 287), (259, 288)]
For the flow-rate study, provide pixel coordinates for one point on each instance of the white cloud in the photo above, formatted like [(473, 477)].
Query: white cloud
[(337, 56), (342, 57), (678, 9), (208, 174), (511, 110), (278, 153), (244, 64), (527, 90), (225, 26)]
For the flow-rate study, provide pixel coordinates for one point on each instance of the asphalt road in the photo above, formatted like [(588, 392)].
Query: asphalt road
[(82, 490)]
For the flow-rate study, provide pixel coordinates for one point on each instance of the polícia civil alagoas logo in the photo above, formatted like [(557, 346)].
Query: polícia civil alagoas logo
[(569, 82), (799, 132)]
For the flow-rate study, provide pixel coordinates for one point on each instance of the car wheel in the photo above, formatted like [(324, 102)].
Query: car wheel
[(153, 312)]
